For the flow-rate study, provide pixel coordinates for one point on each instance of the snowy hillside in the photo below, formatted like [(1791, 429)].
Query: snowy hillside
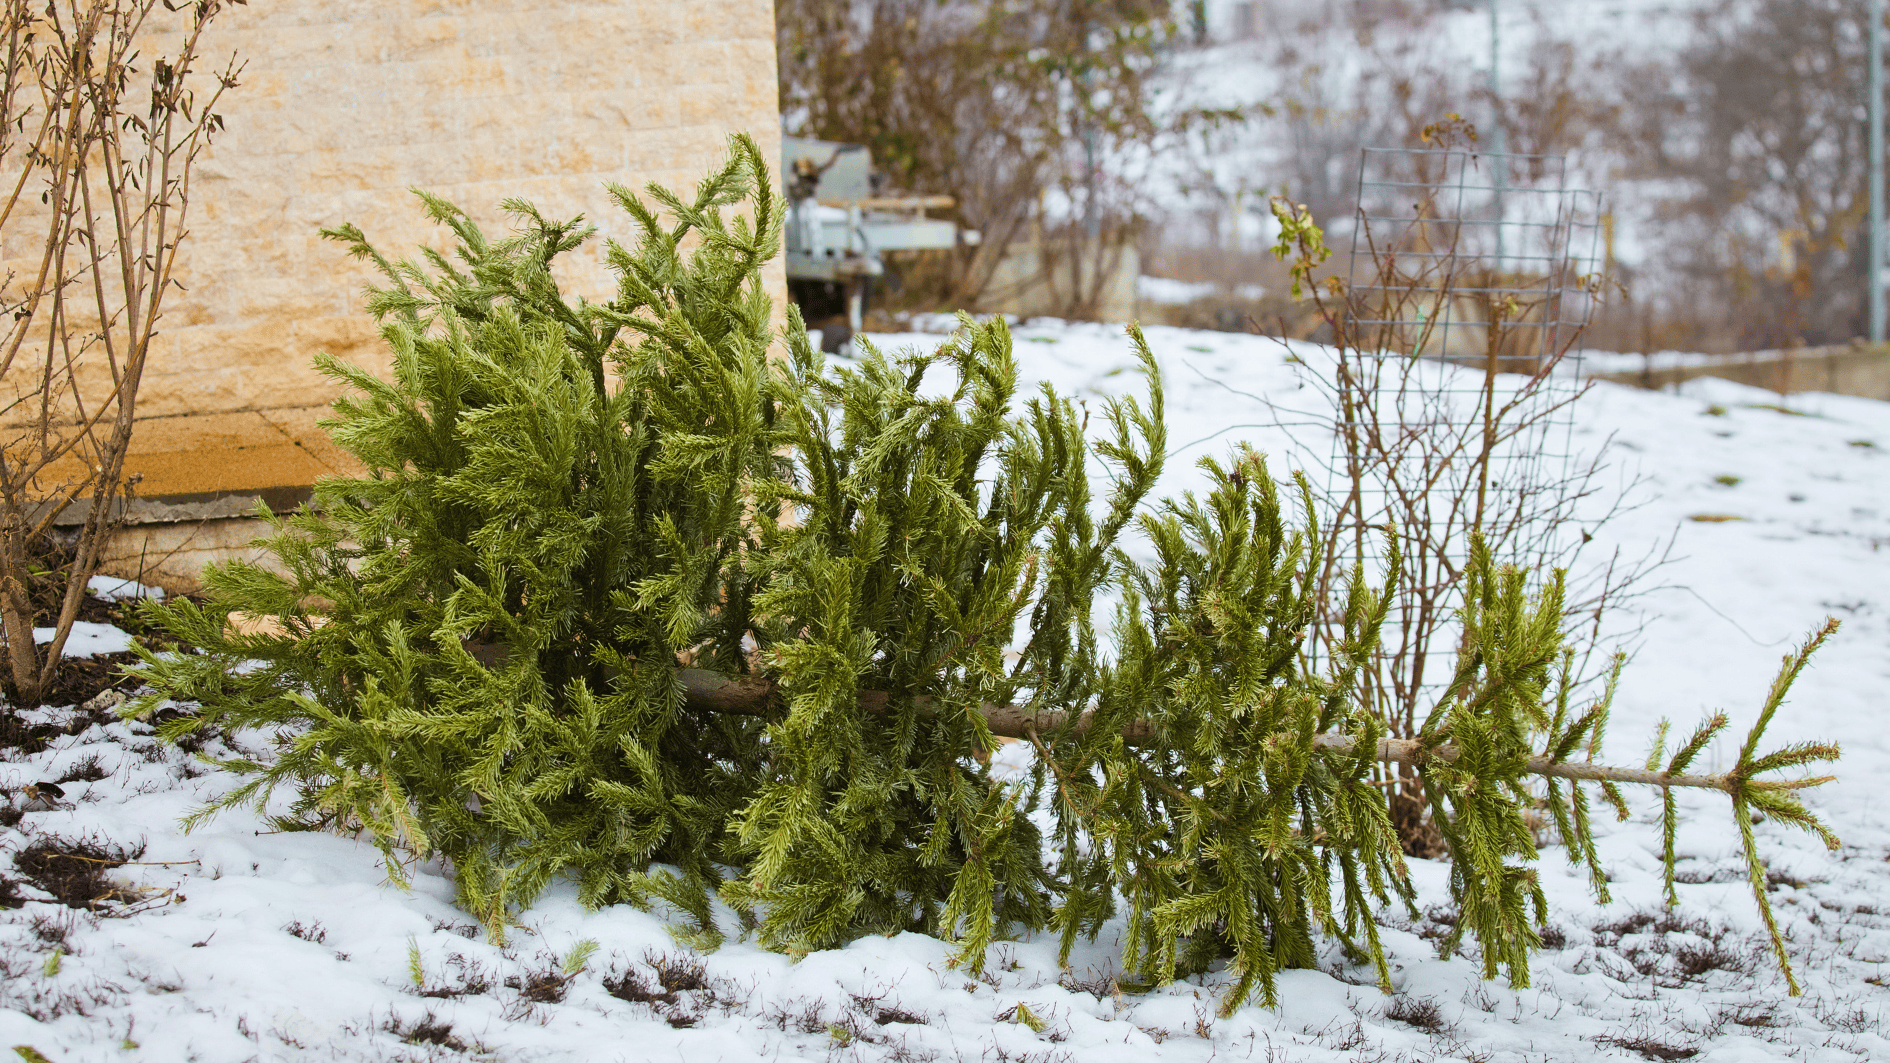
[(237, 942)]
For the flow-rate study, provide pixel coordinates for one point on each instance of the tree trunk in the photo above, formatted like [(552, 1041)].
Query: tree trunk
[(751, 696)]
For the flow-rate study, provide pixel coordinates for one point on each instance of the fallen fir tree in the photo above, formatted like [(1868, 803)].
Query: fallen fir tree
[(623, 598)]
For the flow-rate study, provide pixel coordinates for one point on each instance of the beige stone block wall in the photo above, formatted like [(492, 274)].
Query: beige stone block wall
[(346, 104)]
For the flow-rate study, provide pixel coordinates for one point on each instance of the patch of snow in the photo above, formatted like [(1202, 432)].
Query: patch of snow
[(88, 639), (113, 589)]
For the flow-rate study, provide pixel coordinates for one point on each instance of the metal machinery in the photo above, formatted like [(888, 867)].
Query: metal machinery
[(838, 226)]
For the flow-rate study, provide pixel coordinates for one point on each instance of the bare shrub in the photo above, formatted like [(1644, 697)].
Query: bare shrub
[(1428, 468), (97, 170)]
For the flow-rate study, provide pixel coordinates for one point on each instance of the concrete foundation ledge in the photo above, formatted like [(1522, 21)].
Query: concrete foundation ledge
[(173, 555)]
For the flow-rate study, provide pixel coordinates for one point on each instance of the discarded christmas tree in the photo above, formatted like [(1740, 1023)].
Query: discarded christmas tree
[(622, 598)]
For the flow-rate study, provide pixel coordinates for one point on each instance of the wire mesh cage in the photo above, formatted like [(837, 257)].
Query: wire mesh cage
[(1445, 242), (1470, 277)]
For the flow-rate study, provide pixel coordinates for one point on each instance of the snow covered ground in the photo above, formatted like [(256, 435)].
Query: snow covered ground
[(250, 944)]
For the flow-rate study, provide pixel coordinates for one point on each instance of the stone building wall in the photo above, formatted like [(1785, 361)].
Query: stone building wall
[(343, 106), (346, 104)]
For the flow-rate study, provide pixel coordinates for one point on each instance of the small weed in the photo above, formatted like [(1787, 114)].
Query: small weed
[(74, 871), (1022, 1015), (1775, 878), (628, 986), (1849, 1020), (1674, 923), (430, 1030), (1865, 443), (1649, 1048), (549, 984), (1729, 480), (1753, 1017), (1099, 985), (545, 986), (87, 770), (469, 979), (888, 1016), (55, 931), (1421, 1012), (465, 930), (313, 933), (673, 975), (1714, 410), (1713, 518), (1696, 960), (677, 974), (1631, 923), (1003, 1055), (808, 1018), (1203, 1022)]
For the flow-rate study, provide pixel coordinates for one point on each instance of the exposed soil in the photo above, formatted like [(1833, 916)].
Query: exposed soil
[(78, 683), (80, 680)]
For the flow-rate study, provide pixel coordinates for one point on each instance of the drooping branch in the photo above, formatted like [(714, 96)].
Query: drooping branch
[(755, 696)]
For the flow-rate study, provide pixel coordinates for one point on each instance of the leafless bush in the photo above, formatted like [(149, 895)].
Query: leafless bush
[(1444, 437), (97, 174)]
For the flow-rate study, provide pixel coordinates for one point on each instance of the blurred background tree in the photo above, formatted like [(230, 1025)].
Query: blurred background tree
[(1038, 116), (1729, 136), (1752, 143)]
